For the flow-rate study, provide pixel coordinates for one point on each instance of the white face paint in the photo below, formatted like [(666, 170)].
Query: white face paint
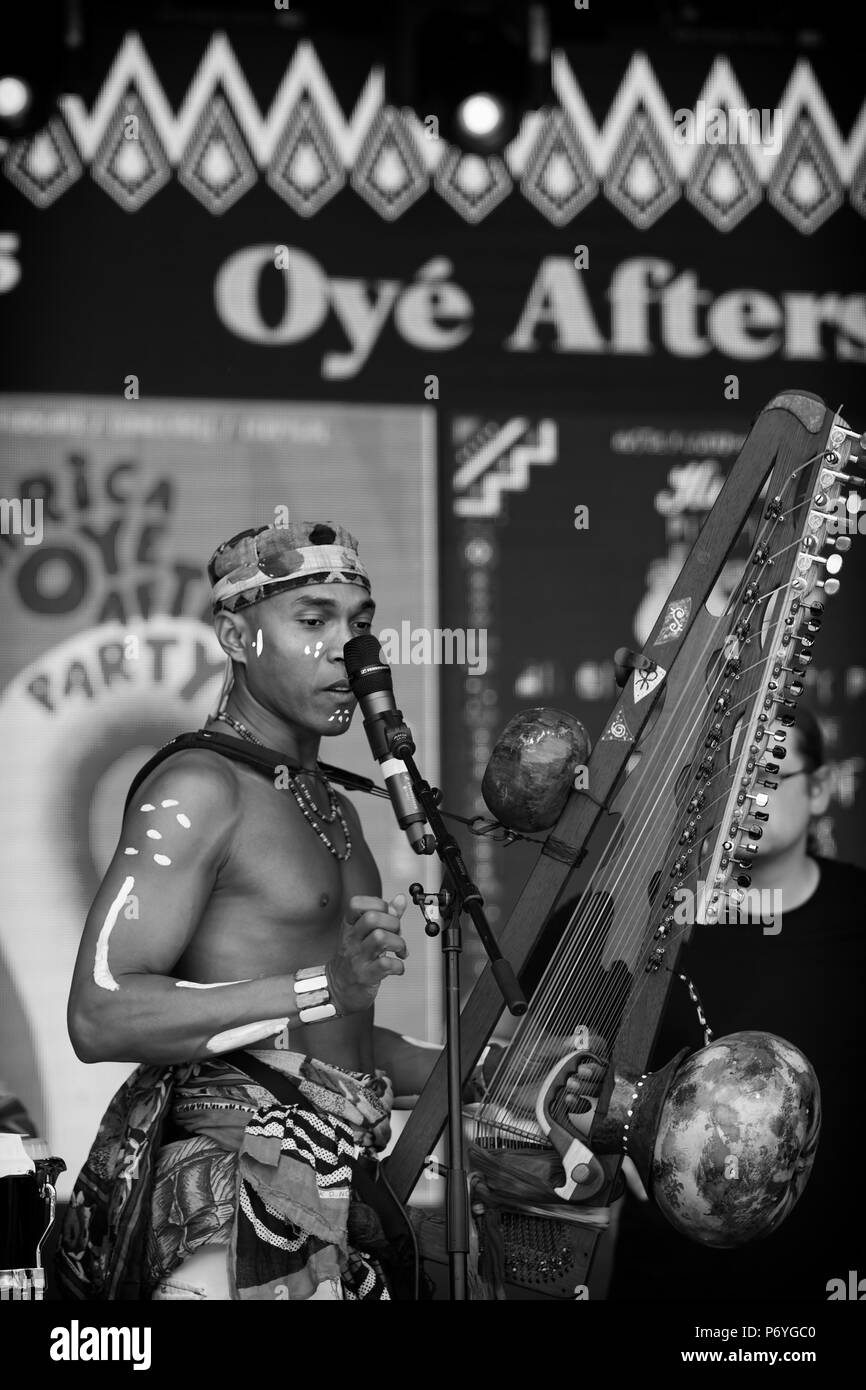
[(154, 835), (102, 976), (260, 642), (147, 807), (183, 820), (169, 803), (246, 1033), (161, 859), (130, 851), (218, 984)]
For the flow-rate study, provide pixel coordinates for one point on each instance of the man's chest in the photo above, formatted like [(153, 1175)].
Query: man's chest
[(300, 861)]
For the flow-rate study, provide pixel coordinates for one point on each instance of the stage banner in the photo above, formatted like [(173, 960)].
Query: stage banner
[(241, 215), (109, 652)]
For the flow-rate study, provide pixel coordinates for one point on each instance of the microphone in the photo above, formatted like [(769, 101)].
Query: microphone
[(369, 677)]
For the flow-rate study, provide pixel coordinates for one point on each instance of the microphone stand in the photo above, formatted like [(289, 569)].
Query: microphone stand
[(463, 896)]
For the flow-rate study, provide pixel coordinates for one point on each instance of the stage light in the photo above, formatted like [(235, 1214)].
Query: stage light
[(40, 57), (478, 68), (16, 98), (482, 117)]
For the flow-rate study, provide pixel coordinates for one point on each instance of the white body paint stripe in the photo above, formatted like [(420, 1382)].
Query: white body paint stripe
[(246, 1033), (102, 976), (218, 984)]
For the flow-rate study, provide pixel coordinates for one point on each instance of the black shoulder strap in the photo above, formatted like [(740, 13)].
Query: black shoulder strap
[(264, 760)]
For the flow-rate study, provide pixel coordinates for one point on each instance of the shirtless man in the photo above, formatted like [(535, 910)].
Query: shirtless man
[(242, 883)]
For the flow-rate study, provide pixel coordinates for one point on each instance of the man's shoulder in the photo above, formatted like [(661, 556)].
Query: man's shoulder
[(197, 779)]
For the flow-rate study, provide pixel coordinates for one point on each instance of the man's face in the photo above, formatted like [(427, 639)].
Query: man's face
[(295, 653), (802, 793)]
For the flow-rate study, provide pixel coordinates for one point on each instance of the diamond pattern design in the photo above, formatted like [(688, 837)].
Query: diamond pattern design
[(558, 179), (473, 184), (805, 187), (389, 173), (305, 169), (724, 186), (216, 167), (131, 169), (642, 183), (307, 148), (44, 165)]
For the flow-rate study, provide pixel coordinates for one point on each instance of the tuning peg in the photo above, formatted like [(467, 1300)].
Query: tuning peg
[(841, 543), (828, 474), (832, 562), (830, 586), (759, 798)]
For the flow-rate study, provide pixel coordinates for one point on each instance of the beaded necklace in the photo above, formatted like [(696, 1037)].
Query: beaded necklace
[(306, 804)]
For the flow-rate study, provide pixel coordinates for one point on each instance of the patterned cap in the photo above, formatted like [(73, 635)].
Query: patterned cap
[(257, 564)]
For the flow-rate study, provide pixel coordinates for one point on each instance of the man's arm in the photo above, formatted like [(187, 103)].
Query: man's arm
[(408, 1062), (123, 1005)]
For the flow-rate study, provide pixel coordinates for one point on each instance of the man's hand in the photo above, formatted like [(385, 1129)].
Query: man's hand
[(532, 1070), (583, 1084), (370, 949)]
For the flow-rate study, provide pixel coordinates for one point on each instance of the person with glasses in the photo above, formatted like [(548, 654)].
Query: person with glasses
[(797, 970)]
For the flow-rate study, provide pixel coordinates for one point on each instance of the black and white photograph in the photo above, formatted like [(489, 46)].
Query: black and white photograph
[(433, 674)]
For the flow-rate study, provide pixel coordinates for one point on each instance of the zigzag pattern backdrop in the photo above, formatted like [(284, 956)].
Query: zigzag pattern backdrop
[(219, 144)]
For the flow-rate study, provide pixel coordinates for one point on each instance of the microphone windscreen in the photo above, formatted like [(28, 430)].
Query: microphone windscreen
[(366, 669), (531, 770)]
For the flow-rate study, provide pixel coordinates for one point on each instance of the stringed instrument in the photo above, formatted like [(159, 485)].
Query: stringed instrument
[(679, 784)]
